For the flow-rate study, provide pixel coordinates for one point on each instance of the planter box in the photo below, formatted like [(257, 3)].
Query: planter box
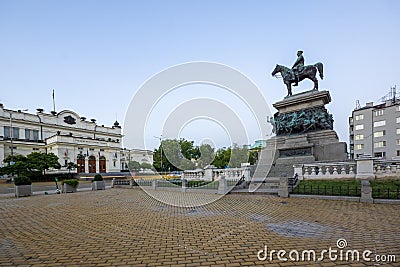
[(23, 190), (68, 189), (98, 185)]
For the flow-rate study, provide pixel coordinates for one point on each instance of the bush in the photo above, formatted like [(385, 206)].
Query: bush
[(98, 177), (72, 182), (22, 180), (49, 177)]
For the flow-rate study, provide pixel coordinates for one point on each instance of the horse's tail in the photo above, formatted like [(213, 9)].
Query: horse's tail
[(320, 68)]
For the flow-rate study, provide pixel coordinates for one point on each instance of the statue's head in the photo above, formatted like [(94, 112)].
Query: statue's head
[(299, 53)]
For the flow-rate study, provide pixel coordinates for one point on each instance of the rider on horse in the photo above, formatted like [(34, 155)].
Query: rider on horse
[(298, 66)]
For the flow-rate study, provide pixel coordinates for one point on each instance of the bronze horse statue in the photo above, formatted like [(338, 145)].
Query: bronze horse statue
[(308, 72)]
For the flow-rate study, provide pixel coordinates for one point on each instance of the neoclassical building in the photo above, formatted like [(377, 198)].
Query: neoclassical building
[(94, 148)]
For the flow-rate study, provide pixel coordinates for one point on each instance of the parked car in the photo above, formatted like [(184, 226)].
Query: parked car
[(173, 175)]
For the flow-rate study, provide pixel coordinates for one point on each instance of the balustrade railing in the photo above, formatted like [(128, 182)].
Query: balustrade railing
[(337, 170)]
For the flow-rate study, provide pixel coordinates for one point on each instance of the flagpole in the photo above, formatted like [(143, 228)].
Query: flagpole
[(54, 103)]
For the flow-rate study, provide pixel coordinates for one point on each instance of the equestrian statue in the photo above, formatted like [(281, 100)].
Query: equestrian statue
[(299, 72)]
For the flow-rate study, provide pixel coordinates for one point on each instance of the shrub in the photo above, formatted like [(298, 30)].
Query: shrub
[(72, 182), (98, 177), (22, 180)]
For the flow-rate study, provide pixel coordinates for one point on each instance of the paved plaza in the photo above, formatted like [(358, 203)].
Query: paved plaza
[(127, 227)]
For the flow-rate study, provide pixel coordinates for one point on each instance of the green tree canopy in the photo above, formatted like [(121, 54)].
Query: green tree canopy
[(35, 161), (42, 161), (183, 155)]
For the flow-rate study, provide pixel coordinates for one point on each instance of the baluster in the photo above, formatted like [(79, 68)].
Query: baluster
[(327, 170), (343, 170), (351, 170), (306, 170), (335, 170)]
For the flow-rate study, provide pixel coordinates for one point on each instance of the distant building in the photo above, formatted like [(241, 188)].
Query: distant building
[(94, 148), (259, 144), (375, 130)]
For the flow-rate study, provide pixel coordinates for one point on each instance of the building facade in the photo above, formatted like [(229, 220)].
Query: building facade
[(375, 130), (94, 148)]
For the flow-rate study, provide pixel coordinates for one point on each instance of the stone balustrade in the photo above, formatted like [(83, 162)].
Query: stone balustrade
[(211, 174), (386, 169), (318, 171)]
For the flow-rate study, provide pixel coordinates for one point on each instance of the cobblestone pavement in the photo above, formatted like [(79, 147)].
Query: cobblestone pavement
[(126, 227)]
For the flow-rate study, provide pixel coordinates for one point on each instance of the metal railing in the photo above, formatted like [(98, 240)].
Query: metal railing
[(327, 190)]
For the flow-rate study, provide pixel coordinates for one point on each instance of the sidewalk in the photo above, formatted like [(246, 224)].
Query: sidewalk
[(121, 227)]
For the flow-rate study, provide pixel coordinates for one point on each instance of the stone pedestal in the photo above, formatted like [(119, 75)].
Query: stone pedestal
[(304, 134), (365, 168), (366, 192), (222, 186), (283, 190)]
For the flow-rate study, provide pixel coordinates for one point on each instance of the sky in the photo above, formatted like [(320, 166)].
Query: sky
[(97, 54)]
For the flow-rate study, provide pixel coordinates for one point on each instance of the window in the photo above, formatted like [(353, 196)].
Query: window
[(31, 134), (359, 137), (380, 154), (91, 149), (359, 146), (101, 149), (359, 117), (397, 131), (80, 148), (378, 112), (398, 108), (398, 120), (35, 135), (379, 133), (360, 127), (35, 149), (15, 133), (398, 153), (398, 142), (27, 134), (380, 144), (7, 133), (379, 123)]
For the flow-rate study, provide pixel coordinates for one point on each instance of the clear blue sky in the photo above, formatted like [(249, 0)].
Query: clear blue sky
[(96, 54)]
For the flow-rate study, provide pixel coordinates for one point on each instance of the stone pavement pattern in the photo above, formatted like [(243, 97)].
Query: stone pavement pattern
[(126, 227)]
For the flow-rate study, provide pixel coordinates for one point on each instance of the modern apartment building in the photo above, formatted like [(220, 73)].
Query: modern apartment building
[(94, 148), (375, 130)]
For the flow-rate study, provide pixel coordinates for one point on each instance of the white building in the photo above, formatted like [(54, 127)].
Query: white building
[(94, 148)]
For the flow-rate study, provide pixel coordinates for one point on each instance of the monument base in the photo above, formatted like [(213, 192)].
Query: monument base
[(295, 143)]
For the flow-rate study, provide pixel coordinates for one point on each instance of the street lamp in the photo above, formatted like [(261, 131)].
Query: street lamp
[(12, 137)]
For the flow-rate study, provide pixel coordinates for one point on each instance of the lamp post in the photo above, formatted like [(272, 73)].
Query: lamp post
[(12, 137)]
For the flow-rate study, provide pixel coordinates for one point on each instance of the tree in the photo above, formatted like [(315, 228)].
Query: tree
[(146, 165), (42, 161), (134, 165), (71, 165), (222, 157), (20, 166), (207, 155)]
